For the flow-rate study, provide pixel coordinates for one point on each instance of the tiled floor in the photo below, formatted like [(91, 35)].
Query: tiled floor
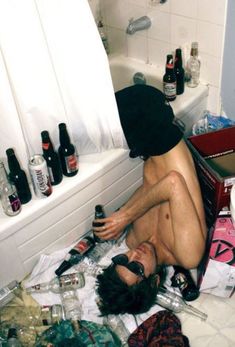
[(219, 328)]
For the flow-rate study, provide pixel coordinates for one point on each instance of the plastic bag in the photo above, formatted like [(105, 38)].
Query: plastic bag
[(211, 122)]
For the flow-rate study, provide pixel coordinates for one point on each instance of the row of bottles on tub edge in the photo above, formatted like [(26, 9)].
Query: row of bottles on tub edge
[(175, 74), (46, 170)]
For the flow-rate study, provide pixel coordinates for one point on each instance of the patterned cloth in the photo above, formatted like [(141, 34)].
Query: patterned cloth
[(162, 329)]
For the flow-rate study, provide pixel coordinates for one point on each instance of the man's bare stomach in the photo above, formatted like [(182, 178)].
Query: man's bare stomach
[(154, 226)]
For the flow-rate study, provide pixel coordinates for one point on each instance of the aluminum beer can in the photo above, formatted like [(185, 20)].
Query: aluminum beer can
[(40, 176)]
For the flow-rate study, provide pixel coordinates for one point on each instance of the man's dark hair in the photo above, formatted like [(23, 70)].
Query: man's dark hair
[(116, 297)]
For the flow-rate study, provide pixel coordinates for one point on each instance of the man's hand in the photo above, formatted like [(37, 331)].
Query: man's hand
[(113, 227)]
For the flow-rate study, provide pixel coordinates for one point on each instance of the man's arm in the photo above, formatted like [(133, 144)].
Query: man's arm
[(188, 231)]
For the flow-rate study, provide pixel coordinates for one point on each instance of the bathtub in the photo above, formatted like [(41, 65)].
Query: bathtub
[(107, 178)]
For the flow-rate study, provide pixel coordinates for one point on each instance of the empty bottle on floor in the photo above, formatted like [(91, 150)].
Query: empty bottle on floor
[(175, 303), (76, 254), (72, 307), (118, 327), (7, 292), (59, 284)]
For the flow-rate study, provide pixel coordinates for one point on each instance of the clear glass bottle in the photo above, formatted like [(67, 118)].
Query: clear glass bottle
[(89, 267), (175, 303), (12, 338), (71, 306), (18, 177), (9, 198), (59, 284), (7, 292), (169, 79), (193, 67), (118, 327)]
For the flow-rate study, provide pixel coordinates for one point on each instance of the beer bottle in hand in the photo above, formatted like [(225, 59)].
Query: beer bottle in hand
[(99, 214)]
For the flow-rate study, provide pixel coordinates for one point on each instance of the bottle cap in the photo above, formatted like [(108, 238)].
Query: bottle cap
[(10, 151)]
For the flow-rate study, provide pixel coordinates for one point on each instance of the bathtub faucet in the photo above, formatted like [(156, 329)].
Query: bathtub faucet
[(138, 24)]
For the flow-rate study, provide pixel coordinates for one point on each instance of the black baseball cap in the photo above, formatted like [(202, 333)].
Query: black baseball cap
[(147, 120)]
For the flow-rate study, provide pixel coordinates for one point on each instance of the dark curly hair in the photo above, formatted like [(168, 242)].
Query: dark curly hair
[(116, 297)]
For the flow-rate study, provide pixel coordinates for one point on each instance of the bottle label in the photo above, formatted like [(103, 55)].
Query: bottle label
[(51, 174), (15, 202), (82, 246), (71, 280), (45, 146), (181, 281), (169, 89), (71, 163)]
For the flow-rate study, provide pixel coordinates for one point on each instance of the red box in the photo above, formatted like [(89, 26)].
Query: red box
[(216, 274), (214, 157)]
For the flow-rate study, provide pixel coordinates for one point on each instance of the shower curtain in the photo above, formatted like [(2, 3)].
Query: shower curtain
[(53, 68)]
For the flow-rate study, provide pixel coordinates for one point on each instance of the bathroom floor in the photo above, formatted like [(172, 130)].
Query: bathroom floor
[(219, 328)]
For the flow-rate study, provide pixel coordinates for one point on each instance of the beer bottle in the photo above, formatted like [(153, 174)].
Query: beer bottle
[(179, 72), (99, 214), (76, 254), (184, 281), (67, 153), (52, 159), (169, 79), (18, 177)]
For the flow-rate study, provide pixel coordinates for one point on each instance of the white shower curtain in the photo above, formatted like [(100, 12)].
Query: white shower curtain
[(53, 68)]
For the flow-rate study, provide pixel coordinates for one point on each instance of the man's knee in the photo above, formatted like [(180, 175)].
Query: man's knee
[(176, 180)]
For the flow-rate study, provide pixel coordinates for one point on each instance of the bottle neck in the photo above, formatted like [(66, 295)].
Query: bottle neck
[(13, 164), (64, 138), (194, 52), (3, 174)]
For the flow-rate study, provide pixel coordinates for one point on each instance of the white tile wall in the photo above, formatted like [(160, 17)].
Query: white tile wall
[(175, 23)]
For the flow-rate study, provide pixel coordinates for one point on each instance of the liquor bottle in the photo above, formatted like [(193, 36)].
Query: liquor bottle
[(118, 327), (184, 281), (103, 35), (67, 153), (52, 159), (71, 306), (169, 79), (76, 254), (99, 214), (89, 267), (12, 338), (7, 292), (175, 303), (59, 284), (9, 198), (179, 71), (193, 67)]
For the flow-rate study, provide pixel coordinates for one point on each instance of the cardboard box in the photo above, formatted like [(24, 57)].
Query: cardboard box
[(217, 271), (214, 156)]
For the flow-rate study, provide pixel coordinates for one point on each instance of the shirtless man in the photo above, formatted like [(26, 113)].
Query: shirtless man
[(166, 212)]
